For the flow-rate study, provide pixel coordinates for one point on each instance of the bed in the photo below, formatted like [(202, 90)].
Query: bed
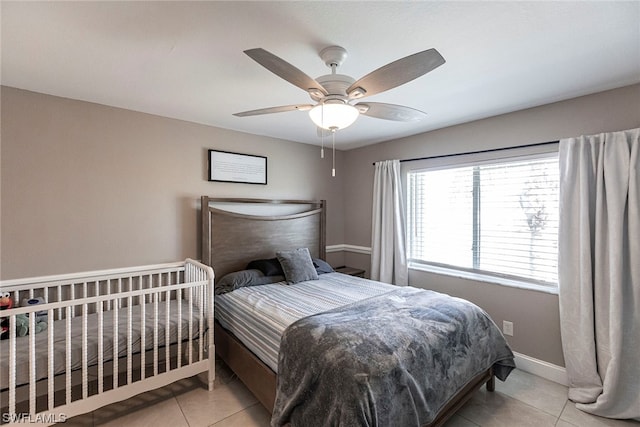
[(294, 359), (110, 335)]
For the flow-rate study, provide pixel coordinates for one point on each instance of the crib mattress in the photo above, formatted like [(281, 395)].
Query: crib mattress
[(59, 339), (258, 315)]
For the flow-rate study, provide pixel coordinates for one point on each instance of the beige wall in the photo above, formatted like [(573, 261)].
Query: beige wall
[(535, 314), (86, 187)]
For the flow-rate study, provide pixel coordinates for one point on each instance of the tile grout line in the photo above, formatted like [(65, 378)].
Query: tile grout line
[(562, 412), (528, 404), (535, 408), (467, 419), (220, 420), (186, 420), (235, 413)]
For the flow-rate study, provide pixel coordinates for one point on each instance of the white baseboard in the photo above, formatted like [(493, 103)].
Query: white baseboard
[(543, 369), (349, 248)]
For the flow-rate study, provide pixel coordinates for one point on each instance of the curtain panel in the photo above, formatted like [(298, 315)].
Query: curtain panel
[(599, 271), (388, 248)]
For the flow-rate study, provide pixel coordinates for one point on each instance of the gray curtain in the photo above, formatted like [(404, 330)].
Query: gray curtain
[(388, 250), (599, 271)]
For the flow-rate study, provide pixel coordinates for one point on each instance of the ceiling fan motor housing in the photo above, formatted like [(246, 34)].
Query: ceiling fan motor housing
[(336, 85), (333, 56)]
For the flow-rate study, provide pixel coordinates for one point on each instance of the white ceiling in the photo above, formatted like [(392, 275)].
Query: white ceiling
[(185, 59)]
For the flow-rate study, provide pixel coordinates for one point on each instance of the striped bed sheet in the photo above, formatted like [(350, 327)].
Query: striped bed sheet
[(258, 315)]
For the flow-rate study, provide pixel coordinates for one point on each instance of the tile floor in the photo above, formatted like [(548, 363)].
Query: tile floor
[(523, 400)]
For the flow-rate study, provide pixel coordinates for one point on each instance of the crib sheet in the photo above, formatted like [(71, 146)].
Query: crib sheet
[(59, 338)]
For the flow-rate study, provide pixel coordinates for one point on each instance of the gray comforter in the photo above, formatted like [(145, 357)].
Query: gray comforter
[(392, 360)]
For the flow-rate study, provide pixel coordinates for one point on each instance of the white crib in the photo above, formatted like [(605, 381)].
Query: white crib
[(111, 334)]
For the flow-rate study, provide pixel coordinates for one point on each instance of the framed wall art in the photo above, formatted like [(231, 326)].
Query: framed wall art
[(225, 166)]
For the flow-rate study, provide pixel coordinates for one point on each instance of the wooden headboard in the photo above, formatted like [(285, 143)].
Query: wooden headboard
[(236, 231)]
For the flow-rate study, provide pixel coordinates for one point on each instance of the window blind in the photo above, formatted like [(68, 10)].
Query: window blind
[(496, 217)]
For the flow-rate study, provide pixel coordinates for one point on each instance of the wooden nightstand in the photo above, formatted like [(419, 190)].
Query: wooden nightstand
[(351, 271)]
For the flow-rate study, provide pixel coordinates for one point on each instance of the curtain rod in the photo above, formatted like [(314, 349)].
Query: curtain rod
[(477, 152)]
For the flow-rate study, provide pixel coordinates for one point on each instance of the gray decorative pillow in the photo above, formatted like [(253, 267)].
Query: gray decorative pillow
[(242, 278), (270, 267), (297, 265), (322, 267)]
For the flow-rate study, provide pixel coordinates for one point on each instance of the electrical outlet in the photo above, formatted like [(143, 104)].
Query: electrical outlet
[(507, 328)]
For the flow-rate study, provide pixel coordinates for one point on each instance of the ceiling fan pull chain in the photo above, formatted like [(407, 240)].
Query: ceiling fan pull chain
[(333, 143), (322, 135)]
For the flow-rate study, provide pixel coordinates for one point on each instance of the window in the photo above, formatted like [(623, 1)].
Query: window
[(496, 217)]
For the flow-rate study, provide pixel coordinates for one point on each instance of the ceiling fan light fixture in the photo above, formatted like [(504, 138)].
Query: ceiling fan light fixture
[(333, 116)]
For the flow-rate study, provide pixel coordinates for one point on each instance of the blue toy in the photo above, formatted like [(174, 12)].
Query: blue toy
[(41, 316)]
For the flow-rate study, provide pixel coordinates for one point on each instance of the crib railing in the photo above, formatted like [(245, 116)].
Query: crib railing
[(107, 282), (164, 314)]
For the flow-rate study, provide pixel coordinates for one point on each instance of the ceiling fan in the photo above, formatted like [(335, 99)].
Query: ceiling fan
[(337, 95)]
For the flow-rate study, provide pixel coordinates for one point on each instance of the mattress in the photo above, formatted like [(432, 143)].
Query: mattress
[(59, 338), (258, 315)]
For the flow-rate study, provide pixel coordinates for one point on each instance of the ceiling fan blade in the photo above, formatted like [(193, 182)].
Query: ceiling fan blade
[(270, 110), (283, 69), (398, 113), (396, 73)]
